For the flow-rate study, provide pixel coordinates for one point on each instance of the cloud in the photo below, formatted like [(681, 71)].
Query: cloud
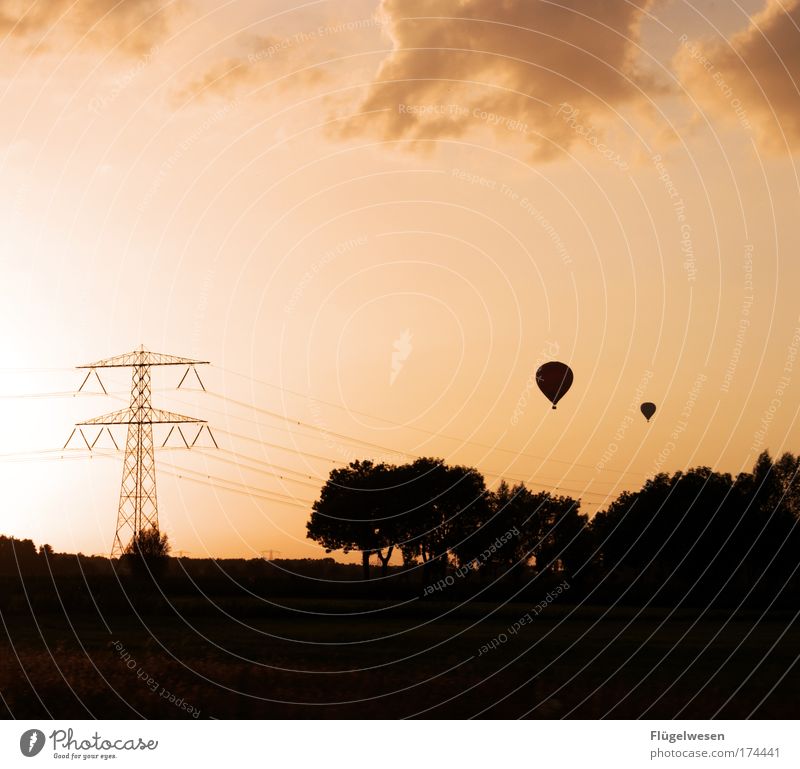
[(268, 59), (505, 66), (222, 78), (753, 79), (132, 26)]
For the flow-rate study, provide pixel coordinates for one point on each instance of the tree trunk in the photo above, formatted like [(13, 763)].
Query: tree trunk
[(385, 560), (365, 562), (439, 565), (426, 568)]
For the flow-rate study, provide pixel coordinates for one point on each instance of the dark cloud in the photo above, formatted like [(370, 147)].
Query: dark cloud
[(504, 66), (753, 79)]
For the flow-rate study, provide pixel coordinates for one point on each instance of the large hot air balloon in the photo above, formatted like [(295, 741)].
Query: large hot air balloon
[(648, 409), (554, 380)]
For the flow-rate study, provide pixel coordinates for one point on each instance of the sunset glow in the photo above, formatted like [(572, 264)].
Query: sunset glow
[(376, 240)]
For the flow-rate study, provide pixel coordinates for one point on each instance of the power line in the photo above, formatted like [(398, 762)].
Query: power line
[(434, 433), (389, 450), (325, 430), (66, 394), (178, 471), (269, 427), (222, 483), (276, 496), (341, 436), (267, 463), (531, 481), (307, 479), (270, 472), (279, 447), (29, 370), (319, 480), (551, 483)]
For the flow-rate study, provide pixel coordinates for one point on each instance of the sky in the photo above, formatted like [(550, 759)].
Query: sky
[(376, 220)]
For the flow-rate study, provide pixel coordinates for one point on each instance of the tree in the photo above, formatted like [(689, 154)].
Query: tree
[(668, 531), (148, 552), (704, 533), (356, 511), (17, 556), (149, 544), (787, 472), (566, 543), (442, 506), (46, 552), (519, 527), (770, 534), (491, 537), (424, 508)]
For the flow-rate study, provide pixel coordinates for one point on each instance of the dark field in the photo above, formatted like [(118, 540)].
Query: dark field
[(326, 658)]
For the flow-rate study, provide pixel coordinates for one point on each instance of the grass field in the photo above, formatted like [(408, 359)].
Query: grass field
[(359, 659)]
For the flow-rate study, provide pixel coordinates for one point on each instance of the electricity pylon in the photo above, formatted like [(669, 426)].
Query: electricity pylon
[(138, 507)]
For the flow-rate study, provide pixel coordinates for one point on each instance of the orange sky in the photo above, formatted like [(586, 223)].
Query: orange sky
[(295, 192)]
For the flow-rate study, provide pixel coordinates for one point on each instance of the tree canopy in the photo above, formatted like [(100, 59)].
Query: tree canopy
[(438, 514), (694, 534)]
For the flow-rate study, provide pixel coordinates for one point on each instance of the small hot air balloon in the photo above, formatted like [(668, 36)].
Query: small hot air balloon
[(648, 409), (554, 380)]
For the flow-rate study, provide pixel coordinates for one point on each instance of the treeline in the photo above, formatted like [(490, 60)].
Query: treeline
[(20, 557), (42, 582), (438, 516), (701, 535), (690, 538), (694, 536)]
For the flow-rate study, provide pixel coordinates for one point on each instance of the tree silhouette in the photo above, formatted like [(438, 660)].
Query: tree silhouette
[(355, 512), (695, 535), (424, 507), (701, 533), (520, 527), (441, 507), (565, 536), (148, 552), (46, 552), (17, 556), (149, 544), (503, 521)]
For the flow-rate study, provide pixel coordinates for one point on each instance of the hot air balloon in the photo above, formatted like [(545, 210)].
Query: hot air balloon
[(554, 380), (648, 409)]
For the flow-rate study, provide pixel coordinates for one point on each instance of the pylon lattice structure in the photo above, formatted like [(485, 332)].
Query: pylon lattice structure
[(138, 505)]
